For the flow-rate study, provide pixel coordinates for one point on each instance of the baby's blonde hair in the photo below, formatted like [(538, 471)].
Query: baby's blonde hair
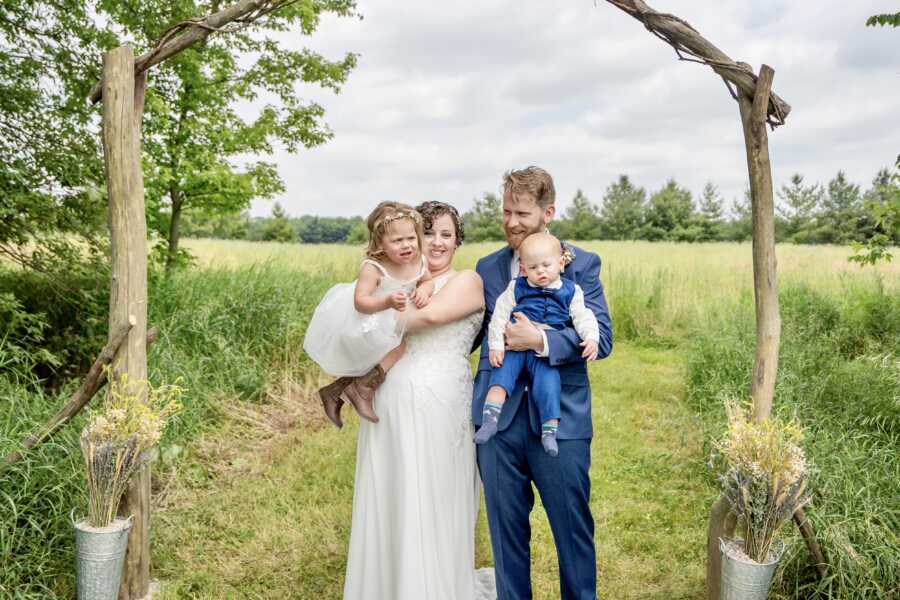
[(379, 222), (540, 241)]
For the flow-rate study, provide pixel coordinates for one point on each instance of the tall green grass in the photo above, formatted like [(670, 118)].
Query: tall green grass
[(223, 333), (840, 375)]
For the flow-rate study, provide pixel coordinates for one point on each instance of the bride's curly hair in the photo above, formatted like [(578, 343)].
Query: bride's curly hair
[(433, 209)]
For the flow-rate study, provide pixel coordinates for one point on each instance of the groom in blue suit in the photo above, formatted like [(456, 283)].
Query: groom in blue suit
[(514, 457)]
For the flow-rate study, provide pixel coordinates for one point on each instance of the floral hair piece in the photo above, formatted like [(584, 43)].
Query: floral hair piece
[(568, 253)]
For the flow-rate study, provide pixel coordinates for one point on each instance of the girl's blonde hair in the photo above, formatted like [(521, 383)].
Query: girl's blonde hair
[(380, 220)]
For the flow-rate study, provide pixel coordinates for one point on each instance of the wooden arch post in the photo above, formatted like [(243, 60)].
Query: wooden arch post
[(123, 100), (759, 106)]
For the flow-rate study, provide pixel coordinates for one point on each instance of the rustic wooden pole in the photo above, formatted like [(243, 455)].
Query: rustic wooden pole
[(765, 285), (721, 525), (128, 294), (765, 281)]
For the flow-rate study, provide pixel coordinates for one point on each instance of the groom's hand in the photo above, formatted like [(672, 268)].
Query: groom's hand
[(523, 335)]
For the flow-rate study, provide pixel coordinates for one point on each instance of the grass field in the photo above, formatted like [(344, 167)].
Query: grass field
[(648, 498), (252, 492), (655, 290)]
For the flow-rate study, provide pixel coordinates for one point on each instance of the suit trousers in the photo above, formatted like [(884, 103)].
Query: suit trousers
[(509, 463)]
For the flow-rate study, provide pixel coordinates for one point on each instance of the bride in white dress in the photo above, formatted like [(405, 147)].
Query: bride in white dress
[(416, 490)]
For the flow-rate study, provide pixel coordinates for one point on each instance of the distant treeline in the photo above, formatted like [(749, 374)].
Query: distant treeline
[(837, 213)]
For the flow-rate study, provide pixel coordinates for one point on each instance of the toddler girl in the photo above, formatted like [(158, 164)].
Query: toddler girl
[(356, 324)]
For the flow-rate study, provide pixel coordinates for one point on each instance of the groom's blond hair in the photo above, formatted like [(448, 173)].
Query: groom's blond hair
[(534, 181)]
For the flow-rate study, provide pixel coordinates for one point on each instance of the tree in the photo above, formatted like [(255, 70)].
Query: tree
[(193, 134), (841, 211), (51, 172), (581, 220), (359, 233), (882, 209), (739, 227), (622, 212), (325, 230), (279, 228), (892, 20), (668, 213), (798, 208), (230, 226), (709, 219), (484, 222)]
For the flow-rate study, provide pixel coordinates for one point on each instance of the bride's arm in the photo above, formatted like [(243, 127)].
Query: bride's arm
[(460, 297)]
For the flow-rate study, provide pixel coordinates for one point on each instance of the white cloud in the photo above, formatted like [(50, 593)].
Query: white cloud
[(448, 97)]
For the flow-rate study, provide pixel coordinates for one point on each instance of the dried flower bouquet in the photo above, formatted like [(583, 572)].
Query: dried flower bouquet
[(765, 476), (118, 439)]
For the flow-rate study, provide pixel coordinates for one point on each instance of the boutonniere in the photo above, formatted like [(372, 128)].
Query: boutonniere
[(568, 252)]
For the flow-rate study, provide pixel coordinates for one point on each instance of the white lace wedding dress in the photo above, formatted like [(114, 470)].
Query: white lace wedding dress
[(416, 493)]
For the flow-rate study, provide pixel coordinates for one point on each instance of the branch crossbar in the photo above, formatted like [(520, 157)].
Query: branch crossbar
[(689, 45), (186, 33)]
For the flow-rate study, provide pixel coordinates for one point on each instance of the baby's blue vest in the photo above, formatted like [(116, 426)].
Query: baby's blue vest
[(545, 305)]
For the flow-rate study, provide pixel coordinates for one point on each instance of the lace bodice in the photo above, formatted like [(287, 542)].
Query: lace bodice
[(453, 340)]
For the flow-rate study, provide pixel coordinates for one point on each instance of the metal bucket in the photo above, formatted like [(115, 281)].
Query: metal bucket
[(744, 579), (99, 558)]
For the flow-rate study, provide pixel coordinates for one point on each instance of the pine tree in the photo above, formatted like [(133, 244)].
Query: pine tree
[(669, 213), (740, 226), (278, 228), (581, 220), (841, 211), (798, 208), (622, 212), (485, 221), (710, 217)]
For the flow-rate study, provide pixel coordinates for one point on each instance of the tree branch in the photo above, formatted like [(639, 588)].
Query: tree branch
[(690, 46), (186, 33)]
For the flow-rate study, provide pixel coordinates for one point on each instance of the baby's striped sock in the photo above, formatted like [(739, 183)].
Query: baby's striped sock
[(489, 419), (548, 437)]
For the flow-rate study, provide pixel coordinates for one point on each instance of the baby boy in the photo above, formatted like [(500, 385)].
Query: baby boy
[(549, 301)]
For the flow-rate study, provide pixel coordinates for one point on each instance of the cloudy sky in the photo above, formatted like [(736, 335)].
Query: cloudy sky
[(446, 97)]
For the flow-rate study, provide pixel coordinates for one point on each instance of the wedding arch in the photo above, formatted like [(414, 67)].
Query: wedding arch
[(121, 91)]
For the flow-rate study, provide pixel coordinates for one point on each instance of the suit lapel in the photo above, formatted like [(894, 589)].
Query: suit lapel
[(504, 266)]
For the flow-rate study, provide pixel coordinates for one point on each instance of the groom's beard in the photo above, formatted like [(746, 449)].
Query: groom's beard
[(514, 237)]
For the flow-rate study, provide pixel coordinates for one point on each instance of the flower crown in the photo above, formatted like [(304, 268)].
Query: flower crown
[(414, 216)]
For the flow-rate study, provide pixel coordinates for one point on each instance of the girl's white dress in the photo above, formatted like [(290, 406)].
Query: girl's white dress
[(344, 341), (416, 491)]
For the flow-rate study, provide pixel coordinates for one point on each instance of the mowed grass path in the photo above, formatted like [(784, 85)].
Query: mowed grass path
[(268, 515)]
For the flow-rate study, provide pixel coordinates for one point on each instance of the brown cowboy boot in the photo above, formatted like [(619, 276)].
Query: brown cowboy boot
[(361, 392), (330, 395)]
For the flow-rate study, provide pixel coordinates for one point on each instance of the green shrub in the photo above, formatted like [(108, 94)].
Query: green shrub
[(72, 309)]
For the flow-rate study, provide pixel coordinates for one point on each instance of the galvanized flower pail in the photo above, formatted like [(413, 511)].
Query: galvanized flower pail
[(746, 579), (99, 558)]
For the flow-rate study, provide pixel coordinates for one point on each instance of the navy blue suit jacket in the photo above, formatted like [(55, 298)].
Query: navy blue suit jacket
[(565, 352)]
